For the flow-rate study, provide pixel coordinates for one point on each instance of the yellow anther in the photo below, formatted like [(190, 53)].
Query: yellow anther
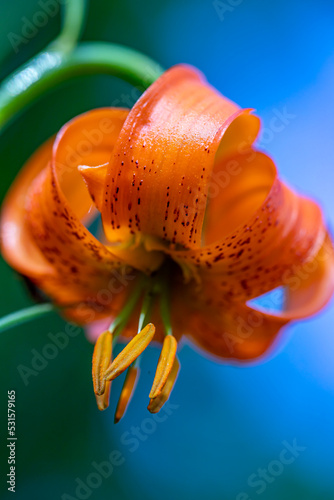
[(130, 352), (103, 400), (157, 403), (101, 360), (165, 365), (127, 392)]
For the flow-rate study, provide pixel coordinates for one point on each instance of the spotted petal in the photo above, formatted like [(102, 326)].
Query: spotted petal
[(158, 177), (42, 228)]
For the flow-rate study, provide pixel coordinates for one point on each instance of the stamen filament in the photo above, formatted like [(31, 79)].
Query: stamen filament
[(165, 309), (121, 320), (146, 309)]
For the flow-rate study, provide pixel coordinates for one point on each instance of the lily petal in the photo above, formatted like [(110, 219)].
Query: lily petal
[(158, 176), (83, 264), (257, 229), (42, 226), (18, 246), (234, 330)]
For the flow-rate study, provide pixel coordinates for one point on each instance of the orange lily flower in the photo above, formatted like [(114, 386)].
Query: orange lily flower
[(196, 223)]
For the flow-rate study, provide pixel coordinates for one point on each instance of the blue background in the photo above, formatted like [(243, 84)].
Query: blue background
[(226, 422)]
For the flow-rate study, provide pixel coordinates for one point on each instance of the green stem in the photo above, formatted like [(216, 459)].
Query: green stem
[(73, 20), (25, 315), (14, 93), (51, 68)]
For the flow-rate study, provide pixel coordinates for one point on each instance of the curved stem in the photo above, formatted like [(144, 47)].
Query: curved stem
[(51, 68), (27, 314), (73, 15), (14, 89), (73, 20)]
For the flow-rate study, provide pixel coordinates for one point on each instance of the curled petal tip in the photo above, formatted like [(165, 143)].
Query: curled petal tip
[(127, 393), (101, 359), (130, 352), (94, 179), (157, 403), (165, 365)]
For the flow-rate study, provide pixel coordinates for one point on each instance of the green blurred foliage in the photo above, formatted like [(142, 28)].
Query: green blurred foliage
[(56, 437)]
